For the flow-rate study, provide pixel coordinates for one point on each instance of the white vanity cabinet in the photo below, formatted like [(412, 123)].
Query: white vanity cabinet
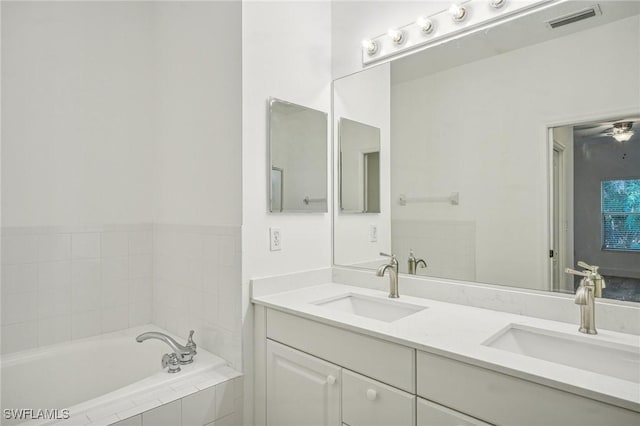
[(431, 414), (301, 389), (319, 374)]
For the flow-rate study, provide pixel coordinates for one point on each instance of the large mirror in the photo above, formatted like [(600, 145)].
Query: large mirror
[(498, 153), (298, 158), (359, 167)]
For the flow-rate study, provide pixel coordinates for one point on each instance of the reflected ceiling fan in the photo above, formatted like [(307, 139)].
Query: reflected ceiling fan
[(621, 130)]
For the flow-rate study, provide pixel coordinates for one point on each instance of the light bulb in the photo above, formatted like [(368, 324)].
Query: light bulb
[(497, 4), (623, 137), (370, 46), (425, 24), (397, 36), (458, 13)]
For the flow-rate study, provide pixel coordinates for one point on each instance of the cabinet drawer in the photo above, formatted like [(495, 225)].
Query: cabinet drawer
[(388, 362), (431, 414), (368, 402), (502, 399)]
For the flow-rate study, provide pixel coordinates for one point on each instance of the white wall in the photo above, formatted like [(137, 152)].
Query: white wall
[(77, 135), (286, 54), (500, 159), (121, 115), (365, 98), (198, 81)]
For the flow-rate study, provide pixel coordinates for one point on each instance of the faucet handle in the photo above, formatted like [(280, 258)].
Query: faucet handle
[(584, 265), (394, 259), (574, 272), (190, 343), (387, 255)]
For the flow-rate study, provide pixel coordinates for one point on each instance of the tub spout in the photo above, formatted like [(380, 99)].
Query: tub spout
[(185, 353)]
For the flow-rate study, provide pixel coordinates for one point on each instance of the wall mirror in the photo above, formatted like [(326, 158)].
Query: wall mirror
[(298, 158), (489, 149), (359, 167)]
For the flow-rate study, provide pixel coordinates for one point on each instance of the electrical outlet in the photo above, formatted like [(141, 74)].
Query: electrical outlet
[(275, 239), (373, 233)]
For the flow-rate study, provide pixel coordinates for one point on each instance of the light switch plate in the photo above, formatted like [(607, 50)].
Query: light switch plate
[(373, 233)]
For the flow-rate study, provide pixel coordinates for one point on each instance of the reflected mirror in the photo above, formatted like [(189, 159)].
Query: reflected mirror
[(359, 167), (486, 170), (298, 158)]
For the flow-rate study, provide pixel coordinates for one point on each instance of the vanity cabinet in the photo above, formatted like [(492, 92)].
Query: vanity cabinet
[(430, 414), (301, 389), (318, 374)]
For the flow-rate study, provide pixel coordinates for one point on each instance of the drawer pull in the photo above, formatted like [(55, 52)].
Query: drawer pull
[(331, 380), (371, 394)]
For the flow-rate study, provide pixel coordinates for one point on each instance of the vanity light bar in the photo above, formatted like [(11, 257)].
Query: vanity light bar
[(461, 16)]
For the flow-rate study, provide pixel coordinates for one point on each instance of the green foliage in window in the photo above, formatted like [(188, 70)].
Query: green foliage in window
[(621, 214)]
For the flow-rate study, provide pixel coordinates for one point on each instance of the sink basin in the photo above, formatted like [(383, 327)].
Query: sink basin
[(370, 307), (611, 359)]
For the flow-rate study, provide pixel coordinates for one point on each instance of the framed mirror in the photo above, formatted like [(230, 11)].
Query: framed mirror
[(359, 167), (468, 134), (297, 158)]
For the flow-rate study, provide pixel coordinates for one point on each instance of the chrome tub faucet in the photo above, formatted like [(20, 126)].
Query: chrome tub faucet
[(181, 354), (392, 267)]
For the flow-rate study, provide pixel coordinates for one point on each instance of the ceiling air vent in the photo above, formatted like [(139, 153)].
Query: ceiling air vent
[(575, 17)]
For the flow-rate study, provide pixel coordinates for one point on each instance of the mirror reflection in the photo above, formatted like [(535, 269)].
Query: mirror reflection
[(487, 177), (359, 167), (298, 158)]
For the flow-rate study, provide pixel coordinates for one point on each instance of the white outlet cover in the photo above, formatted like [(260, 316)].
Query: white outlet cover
[(373, 233), (275, 239)]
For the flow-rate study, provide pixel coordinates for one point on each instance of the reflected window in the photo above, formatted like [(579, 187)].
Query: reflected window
[(621, 214)]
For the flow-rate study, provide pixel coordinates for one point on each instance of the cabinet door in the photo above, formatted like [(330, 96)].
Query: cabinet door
[(301, 389), (367, 402), (431, 414)]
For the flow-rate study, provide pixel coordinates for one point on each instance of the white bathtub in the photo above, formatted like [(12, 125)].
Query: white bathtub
[(88, 374)]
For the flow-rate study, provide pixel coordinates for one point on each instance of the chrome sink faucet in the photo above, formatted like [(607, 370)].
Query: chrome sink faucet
[(414, 264), (591, 286), (181, 354), (392, 267)]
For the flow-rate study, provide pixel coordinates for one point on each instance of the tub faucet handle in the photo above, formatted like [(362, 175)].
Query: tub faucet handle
[(172, 362), (191, 344)]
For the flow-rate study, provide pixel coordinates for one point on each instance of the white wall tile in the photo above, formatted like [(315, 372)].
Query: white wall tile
[(85, 245), (114, 293), (114, 244), (18, 337), (225, 397), (140, 290), (140, 313), (116, 318), (54, 276), (85, 324), (19, 249), (22, 278), (140, 266), (199, 408), (115, 269), (165, 415), (19, 307), (54, 303), (54, 247), (54, 330), (86, 279), (141, 242)]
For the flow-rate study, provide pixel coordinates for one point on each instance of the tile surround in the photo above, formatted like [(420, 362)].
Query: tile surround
[(64, 283)]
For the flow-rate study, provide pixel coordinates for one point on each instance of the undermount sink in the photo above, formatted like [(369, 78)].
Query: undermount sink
[(611, 359), (370, 307)]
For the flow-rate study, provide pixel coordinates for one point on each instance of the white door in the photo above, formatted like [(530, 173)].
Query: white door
[(301, 389)]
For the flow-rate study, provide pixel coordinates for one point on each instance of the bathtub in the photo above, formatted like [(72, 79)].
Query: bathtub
[(88, 375)]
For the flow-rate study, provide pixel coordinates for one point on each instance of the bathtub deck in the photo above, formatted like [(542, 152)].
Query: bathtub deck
[(138, 403)]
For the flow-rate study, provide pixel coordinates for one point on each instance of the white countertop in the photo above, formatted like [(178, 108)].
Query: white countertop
[(458, 332)]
